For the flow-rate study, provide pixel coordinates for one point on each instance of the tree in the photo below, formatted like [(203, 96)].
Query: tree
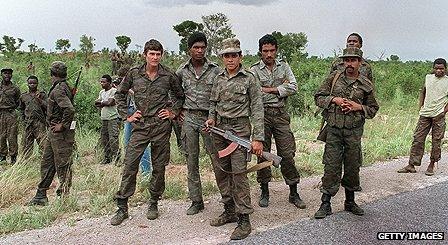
[(123, 43), (10, 45), (216, 28), (33, 47), (394, 57), (63, 45), (184, 30), (291, 45), (86, 45)]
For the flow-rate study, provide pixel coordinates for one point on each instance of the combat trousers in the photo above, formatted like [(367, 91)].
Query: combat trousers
[(424, 124), (190, 139), (57, 159), (234, 188), (343, 147), (8, 133), (157, 132), (34, 130), (277, 124), (109, 138)]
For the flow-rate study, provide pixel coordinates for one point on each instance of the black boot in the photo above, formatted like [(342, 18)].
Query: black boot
[(153, 211), (122, 212), (264, 197), (228, 216), (2, 158), (13, 159), (350, 204), (294, 197), (39, 199), (325, 207), (243, 229), (195, 207)]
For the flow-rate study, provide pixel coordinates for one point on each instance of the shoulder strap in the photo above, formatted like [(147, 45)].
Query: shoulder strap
[(338, 74)]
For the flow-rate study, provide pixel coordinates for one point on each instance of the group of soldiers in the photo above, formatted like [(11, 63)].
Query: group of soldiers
[(248, 102)]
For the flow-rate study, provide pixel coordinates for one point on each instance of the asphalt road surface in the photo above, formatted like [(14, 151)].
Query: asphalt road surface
[(422, 210)]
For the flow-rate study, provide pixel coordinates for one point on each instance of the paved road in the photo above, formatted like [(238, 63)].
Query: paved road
[(421, 210)]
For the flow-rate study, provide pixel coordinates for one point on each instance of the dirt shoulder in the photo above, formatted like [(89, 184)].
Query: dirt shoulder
[(175, 227)]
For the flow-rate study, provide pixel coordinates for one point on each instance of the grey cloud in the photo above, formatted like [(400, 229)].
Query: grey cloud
[(173, 3)]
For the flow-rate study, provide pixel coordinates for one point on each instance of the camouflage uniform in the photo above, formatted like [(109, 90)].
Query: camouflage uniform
[(150, 96), (277, 119), (58, 146), (365, 69), (343, 144), (197, 88), (233, 101), (34, 110), (9, 102)]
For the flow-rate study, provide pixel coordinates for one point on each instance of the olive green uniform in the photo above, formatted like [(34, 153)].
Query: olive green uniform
[(233, 101), (150, 96), (9, 102), (343, 144), (34, 110)]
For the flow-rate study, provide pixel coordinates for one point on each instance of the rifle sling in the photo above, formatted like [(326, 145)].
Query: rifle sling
[(336, 76)]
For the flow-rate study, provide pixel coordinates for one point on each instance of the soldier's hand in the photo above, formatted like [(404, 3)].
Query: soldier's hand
[(166, 114), (57, 127), (208, 123), (257, 147), (337, 100), (181, 116), (350, 105), (135, 117)]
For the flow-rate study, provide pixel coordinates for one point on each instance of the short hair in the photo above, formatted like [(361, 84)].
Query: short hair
[(152, 45), (267, 39), (108, 78), (195, 38), (32, 77), (356, 35), (439, 61)]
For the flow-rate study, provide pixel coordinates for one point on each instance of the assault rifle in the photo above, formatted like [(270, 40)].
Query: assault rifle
[(236, 142), (75, 88)]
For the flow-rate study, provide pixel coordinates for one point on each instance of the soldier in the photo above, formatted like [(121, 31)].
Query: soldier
[(354, 40), (58, 145), (433, 108), (33, 105), (9, 102), (277, 83), (347, 99), (197, 76), (236, 96), (109, 119), (151, 83)]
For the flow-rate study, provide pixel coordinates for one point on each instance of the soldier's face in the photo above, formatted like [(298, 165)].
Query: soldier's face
[(353, 41), (32, 84), (6, 76), (268, 53), (197, 51), (153, 57), (232, 61), (104, 83), (351, 65), (439, 70)]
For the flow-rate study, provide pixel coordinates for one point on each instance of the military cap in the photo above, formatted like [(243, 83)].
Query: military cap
[(351, 52), (6, 69), (59, 68), (230, 45)]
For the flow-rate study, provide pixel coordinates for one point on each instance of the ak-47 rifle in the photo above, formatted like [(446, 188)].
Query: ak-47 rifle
[(236, 142), (75, 88)]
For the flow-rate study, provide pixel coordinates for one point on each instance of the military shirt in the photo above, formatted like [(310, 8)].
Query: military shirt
[(238, 96), (9, 96), (34, 105), (150, 96), (365, 69), (360, 90), (197, 87), (280, 77), (60, 107)]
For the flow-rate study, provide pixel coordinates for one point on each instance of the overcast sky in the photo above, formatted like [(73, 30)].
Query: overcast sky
[(411, 29)]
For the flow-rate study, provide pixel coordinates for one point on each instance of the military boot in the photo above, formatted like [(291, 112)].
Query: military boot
[(195, 208), (2, 158), (122, 212), (13, 159), (350, 204), (39, 199), (153, 211), (264, 197), (228, 216), (243, 229), (294, 197), (325, 207)]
